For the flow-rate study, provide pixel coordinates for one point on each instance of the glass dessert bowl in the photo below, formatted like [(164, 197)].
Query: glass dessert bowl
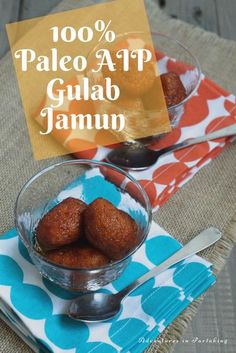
[(87, 181), (174, 57), (180, 74)]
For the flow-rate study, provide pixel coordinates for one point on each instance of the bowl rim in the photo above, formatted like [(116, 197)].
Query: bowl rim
[(197, 66), (97, 163)]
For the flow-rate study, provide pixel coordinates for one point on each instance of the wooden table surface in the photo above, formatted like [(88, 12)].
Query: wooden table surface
[(213, 15), (216, 318)]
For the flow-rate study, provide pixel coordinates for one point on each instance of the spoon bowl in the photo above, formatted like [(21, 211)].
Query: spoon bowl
[(136, 156), (94, 307)]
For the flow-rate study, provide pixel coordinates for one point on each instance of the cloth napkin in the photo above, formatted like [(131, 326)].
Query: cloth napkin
[(37, 307), (210, 109)]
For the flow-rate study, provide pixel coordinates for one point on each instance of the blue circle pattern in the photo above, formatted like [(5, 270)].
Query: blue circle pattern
[(8, 265), (159, 298), (96, 347), (24, 252), (138, 216), (58, 291), (120, 330), (31, 301), (36, 304), (69, 333), (11, 234), (130, 274), (186, 273), (167, 245), (95, 187)]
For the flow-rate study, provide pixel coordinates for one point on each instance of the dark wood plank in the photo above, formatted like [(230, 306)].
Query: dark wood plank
[(226, 11), (31, 8), (9, 12), (198, 12), (14, 10)]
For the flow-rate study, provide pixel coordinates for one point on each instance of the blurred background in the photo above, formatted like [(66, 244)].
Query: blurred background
[(213, 15), (216, 318)]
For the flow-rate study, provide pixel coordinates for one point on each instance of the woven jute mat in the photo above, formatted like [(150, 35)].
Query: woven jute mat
[(208, 199)]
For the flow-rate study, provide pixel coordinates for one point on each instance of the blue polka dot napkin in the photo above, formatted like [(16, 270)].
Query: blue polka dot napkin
[(36, 307)]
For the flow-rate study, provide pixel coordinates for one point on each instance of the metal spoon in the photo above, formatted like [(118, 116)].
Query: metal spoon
[(136, 156), (94, 307)]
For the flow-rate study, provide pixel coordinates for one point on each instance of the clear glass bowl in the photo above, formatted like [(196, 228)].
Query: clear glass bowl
[(179, 56), (35, 196)]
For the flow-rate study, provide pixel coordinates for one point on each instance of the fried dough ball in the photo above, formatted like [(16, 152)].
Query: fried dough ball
[(173, 88), (62, 225), (77, 256), (135, 83), (112, 231)]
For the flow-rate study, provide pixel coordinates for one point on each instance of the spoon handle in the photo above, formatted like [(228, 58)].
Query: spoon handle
[(225, 132), (197, 244)]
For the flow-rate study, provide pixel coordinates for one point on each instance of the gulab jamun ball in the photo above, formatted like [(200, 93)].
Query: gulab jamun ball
[(173, 88), (109, 229), (76, 235), (62, 225), (77, 256)]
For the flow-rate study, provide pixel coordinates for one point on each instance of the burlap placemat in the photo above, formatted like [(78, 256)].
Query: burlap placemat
[(209, 199)]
